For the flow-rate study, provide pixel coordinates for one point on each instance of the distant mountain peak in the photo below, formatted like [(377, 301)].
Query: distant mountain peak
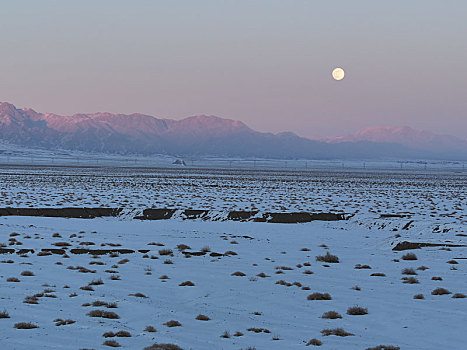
[(403, 135), (212, 135)]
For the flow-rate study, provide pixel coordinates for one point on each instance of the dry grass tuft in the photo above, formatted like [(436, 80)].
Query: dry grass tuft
[(166, 252), (139, 295), (226, 334), (315, 342), (328, 258), (163, 347), (172, 323), (332, 315), (378, 274), (111, 343), (186, 283), (458, 296), (238, 273), (440, 291), (4, 314), (150, 329), (103, 314), (319, 296), (360, 267), (60, 322), (25, 325), (409, 271), (409, 256), (410, 280), (357, 310), (201, 317), (336, 331), (27, 273), (182, 247), (384, 347)]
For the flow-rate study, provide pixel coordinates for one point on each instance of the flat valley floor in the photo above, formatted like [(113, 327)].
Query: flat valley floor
[(215, 283)]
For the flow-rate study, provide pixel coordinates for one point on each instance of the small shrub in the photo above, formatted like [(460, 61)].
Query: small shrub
[(378, 274), (409, 256), (418, 296), (27, 273), (436, 278), (96, 282), (123, 334), (25, 325), (230, 252), (166, 252), (88, 288), (98, 303), (103, 314), (384, 347), (12, 279), (422, 268), (308, 272), (201, 317), (205, 249), (360, 267), (172, 323), (410, 280), (238, 334), (408, 271), (328, 258), (356, 288), (168, 262), (336, 331), (319, 296), (111, 343), (455, 296), (182, 247), (332, 315), (226, 334), (4, 314), (440, 291), (139, 295), (315, 342), (357, 310), (262, 275), (186, 283), (31, 300), (452, 262), (150, 329), (60, 322), (163, 347), (238, 273)]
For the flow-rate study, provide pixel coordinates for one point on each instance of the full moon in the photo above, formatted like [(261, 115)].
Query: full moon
[(338, 74)]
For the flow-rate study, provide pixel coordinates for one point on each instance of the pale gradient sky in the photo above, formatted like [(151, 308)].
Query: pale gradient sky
[(267, 63)]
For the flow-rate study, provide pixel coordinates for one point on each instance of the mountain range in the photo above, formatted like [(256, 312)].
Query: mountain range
[(211, 135)]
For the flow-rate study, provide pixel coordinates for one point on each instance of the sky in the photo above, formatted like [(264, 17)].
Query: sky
[(267, 63)]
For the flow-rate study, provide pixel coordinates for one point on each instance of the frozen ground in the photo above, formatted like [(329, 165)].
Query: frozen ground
[(279, 312)]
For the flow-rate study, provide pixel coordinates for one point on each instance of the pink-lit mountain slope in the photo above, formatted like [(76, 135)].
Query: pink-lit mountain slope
[(403, 135)]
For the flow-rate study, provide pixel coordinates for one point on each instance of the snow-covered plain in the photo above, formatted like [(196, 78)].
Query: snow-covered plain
[(279, 312)]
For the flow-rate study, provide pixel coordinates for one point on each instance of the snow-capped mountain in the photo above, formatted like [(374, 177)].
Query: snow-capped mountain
[(403, 135), (210, 135)]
